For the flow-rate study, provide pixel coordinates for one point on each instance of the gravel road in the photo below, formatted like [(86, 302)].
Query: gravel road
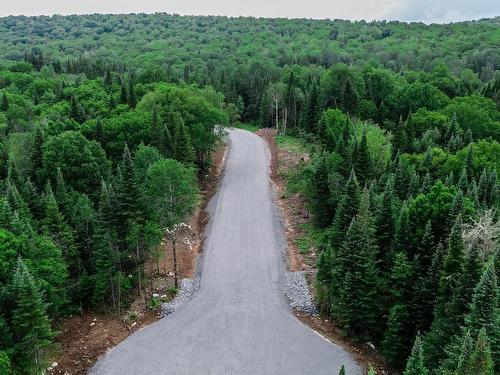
[(239, 322)]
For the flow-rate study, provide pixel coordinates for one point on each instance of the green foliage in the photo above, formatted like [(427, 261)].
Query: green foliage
[(415, 364)]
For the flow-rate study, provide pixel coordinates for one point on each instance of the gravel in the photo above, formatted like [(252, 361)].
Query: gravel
[(187, 290), (298, 294)]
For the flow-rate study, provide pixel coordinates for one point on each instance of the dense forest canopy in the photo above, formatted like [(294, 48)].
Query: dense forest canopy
[(106, 122)]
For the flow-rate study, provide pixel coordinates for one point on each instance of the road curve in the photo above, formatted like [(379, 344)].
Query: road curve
[(239, 322)]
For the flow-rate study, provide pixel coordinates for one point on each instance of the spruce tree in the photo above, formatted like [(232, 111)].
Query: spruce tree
[(56, 227), (342, 370), (354, 272), (5, 367), (469, 162), (481, 362), (37, 157), (184, 151), (30, 324), (99, 131), (463, 181), (450, 308), (416, 362), (4, 107), (362, 162), (312, 111), (126, 196), (484, 309), (123, 93), (320, 197), (346, 210), (156, 134), (132, 98), (385, 223)]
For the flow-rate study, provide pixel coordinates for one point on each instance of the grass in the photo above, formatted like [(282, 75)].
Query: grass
[(250, 127), (291, 143), (309, 240)]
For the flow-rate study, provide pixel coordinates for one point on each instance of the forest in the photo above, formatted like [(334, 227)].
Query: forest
[(107, 124)]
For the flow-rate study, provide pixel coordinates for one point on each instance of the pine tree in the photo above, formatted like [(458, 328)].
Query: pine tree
[(400, 138), (457, 207), (484, 309), (123, 93), (37, 157), (469, 162), (342, 370), (483, 188), (320, 195), (346, 210), (157, 135), (385, 223), (184, 151), (5, 367), (30, 323), (55, 226), (132, 98), (362, 161), (463, 181), (99, 131), (481, 362), (426, 184), (312, 111), (416, 362), (450, 309), (126, 196), (354, 272), (4, 106), (401, 241)]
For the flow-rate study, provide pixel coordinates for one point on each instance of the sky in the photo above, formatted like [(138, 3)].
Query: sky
[(428, 11)]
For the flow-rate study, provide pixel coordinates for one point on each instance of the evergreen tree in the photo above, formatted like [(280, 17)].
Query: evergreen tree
[(157, 135), (320, 194), (312, 111), (99, 131), (184, 151), (484, 309), (4, 106), (30, 323), (385, 223), (416, 362), (123, 93), (463, 181), (469, 162), (132, 98), (450, 307), (362, 162), (346, 210), (400, 139), (342, 370), (126, 196), (354, 272), (56, 227), (481, 362), (5, 367), (37, 157)]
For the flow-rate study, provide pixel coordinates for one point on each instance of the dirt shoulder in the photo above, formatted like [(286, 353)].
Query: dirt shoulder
[(296, 216), (84, 338)]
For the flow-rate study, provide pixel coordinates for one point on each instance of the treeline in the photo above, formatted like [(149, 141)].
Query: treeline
[(241, 57), (407, 202), (92, 173)]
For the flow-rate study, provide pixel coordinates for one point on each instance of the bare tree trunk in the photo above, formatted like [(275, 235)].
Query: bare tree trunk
[(174, 250)]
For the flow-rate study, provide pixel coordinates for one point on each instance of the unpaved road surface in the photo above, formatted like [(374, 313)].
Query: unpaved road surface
[(239, 322)]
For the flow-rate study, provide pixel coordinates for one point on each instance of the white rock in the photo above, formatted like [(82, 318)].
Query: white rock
[(156, 295), (92, 324)]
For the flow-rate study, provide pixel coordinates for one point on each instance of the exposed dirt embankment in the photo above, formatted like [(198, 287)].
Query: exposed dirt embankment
[(84, 338), (295, 215)]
